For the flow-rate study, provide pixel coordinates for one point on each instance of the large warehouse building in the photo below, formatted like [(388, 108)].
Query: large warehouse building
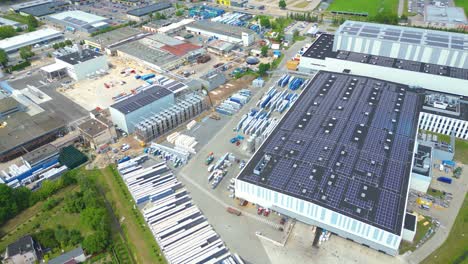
[(225, 32), (41, 36), (434, 60), (340, 159), (79, 20)]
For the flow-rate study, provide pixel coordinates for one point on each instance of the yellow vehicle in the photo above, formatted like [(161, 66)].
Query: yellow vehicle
[(422, 201)]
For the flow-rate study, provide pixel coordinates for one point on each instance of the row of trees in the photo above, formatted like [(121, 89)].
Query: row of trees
[(61, 237), (7, 32), (308, 17), (60, 45)]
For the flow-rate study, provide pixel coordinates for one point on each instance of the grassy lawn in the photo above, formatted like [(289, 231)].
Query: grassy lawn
[(405, 10), (16, 17), (370, 6), (455, 248), (139, 237), (463, 4), (34, 219), (461, 147), (421, 231), (301, 4)]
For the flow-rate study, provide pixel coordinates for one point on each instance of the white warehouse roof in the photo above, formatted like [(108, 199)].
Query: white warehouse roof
[(30, 38), (78, 15)]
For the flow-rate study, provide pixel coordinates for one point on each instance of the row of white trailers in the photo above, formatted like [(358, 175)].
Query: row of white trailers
[(179, 227)]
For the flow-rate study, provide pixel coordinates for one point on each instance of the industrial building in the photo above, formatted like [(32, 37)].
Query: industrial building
[(97, 130), (14, 24), (421, 174), (80, 21), (184, 110), (433, 60), (450, 17), (130, 111), (21, 132), (79, 65), (213, 79), (40, 9), (170, 28), (160, 52), (41, 36), (142, 13), (225, 32), (340, 159), (108, 42)]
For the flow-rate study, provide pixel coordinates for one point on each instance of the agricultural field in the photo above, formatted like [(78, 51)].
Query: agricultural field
[(370, 6), (463, 4)]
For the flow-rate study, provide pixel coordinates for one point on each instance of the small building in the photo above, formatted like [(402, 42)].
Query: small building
[(97, 130), (444, 16), (421, 174), (24, 251), (142, 13), (224, 32), (131, 110), (213, 79), (14, 24), (40, 155), (239, 3), (40, 10), (76, 255), (41, 36), (83, 64), (220, 47), (409, 227), (79, 20)]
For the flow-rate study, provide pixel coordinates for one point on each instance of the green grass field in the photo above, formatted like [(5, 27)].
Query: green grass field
[(455, 248), (370, 6), (463, 4), (421, 231), (461, 147)]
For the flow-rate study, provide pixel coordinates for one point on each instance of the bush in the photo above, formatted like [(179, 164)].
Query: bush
[(50, 203), (20, 66)]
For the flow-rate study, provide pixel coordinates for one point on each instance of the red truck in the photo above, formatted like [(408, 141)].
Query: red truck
[(233, 211)]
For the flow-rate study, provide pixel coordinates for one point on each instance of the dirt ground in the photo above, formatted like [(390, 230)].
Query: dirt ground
[(92, 93), (224, 91), (102, 160)]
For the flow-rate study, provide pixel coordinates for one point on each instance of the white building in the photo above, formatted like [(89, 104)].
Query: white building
[(14, 24), (82, 64), (421, 174), (340, 159), (391, 58), (128, 112), (79, 20), (225, 32), (41, 36)]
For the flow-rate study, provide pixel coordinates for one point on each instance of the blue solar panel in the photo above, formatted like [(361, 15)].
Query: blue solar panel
[(346, 145)]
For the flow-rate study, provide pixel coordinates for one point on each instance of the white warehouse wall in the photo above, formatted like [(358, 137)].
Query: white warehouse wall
[(81, 70), (428, 81), (313, 214), (443, 125)]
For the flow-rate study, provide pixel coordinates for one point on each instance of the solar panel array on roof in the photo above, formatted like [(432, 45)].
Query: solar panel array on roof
[(323, 48), (346, 145), (141, 99)]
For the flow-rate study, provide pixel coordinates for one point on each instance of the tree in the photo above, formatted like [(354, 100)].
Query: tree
[(264, 51), (75, 237), (282, 4), (386, 18), (3, 61), (46, 238), (179, 12), (62, 236), (265, 22), (263, 68), (96, 242), (32, 22), (7, 32), (26, 52), (68, 42), (96, 218)]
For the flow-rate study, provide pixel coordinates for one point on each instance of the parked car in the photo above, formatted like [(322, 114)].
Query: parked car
[(260, 210), (266, 212)]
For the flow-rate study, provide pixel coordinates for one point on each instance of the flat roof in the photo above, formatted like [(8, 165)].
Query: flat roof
[(116, 36), (448, 105), (7, 104), (220, 28), (8, 22), (30, 37), (410, 222), (451, 15), (93, 127), (77, 57), (147, 53), (422, 159), (78, 18), (141, 99), (143, 11), (22, 128), (29, 4), (347, 145), (40, 153), (323, 48), (418, 36), (43, 9)]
